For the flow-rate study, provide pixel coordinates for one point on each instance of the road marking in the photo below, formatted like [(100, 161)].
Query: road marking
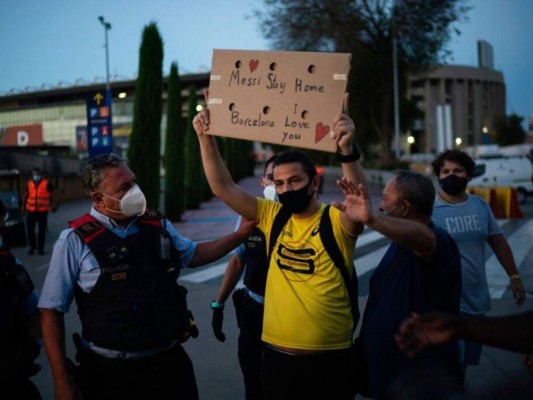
[(205, 274), (519, 240), (521, 243)]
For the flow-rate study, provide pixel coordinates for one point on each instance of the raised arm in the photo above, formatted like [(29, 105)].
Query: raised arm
[(406, 232), (344, 133), (348, 154), (217, 174)]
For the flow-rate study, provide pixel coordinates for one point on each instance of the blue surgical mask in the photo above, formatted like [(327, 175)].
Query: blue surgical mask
[(37, 178)]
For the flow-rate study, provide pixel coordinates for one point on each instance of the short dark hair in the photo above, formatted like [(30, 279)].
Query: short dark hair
[(93, 169), (297, 156), (456, 156), (417, 189), (36, 169), (270, 160)]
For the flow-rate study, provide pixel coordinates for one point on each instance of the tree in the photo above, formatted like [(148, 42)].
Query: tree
[(144, 150), (366, 28), (174, 160), (193, 162), (509, 130)]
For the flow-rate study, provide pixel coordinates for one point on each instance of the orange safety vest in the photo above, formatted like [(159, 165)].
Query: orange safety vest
[(38, 196)]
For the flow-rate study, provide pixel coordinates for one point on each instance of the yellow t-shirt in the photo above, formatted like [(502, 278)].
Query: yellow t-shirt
[(306, 301)]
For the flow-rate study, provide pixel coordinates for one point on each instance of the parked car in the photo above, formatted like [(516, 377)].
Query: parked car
[(515, 172), (15, 229)]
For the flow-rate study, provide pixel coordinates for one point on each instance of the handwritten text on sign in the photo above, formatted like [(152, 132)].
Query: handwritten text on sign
[(289, 98)]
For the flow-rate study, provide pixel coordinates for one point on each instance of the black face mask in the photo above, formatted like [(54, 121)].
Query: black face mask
[(296, 200), (453, 184)]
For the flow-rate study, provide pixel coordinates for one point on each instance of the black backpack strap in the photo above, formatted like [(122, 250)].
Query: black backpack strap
[(328, 239), (280, 220)]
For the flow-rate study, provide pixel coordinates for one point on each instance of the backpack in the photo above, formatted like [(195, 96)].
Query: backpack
[(328, 239)]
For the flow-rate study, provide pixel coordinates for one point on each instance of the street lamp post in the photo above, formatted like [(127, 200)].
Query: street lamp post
[(107, 27)]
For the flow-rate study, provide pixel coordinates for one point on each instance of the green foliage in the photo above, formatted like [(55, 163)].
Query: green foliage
[(174, 159), (509, 130), (193, 162), (145, 141), (366, 28)]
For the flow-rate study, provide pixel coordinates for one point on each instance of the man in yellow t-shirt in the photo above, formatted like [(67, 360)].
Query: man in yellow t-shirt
[(307, 325)]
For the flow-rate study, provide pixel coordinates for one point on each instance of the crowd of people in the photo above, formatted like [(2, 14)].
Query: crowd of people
[(298, 309)]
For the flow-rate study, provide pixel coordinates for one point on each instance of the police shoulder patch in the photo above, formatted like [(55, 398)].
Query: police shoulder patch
[(87, 228)]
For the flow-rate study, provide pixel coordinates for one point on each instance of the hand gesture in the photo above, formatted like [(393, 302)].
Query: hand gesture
[(418, 332), (344, 129), (247, 227), (356, 203), (201, 121)]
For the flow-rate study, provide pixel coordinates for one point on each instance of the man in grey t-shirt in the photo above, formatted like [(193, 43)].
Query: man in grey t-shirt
[(470, 221)]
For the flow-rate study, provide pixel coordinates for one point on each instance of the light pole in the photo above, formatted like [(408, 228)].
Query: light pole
[(107, 27)]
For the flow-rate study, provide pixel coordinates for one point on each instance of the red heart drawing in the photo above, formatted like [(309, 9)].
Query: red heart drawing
[(253, 65), (321, 130)]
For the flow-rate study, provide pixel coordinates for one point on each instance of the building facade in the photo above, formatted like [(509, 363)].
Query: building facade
[(458, 105), (58, 116)]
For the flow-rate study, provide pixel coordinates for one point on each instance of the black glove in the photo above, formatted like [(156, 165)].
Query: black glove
[(216, 323)]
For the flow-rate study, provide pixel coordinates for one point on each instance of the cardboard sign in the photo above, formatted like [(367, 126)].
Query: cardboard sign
[(288, 98)]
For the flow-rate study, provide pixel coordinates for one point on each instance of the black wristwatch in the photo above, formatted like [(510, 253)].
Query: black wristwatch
[(355, 156)]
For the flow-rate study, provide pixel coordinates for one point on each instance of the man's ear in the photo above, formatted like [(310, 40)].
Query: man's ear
[(97, 197), (316, 181), (407, 208)]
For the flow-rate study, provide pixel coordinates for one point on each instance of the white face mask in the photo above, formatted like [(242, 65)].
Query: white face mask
[(269, 192), (132, 204)]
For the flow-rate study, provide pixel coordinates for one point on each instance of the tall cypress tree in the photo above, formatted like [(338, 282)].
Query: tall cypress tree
[(174, 160), (144, 152)]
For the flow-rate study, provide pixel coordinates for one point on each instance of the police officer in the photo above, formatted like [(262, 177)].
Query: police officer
[(40, 197), (250, 258), (121, 263), (19, 322)]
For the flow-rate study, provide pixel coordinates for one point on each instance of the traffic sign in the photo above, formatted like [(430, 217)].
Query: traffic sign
[(99, 123)]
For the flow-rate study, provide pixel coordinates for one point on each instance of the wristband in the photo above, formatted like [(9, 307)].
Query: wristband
[(215, 305), (355, 156), (514, 276)]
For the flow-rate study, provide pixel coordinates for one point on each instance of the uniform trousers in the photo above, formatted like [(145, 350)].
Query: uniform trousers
[(166, 375), (250, 321), (39, 219)]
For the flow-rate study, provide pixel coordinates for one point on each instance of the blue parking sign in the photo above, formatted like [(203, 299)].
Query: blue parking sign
[(99, 123)]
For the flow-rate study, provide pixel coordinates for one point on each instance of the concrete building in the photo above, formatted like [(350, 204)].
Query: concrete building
[(458, 105)]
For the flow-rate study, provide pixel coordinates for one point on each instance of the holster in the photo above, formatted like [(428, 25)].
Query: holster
[(238, 300), (86, 373)]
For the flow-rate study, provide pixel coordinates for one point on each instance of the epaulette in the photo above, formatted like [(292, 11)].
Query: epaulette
[(87, 227)]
